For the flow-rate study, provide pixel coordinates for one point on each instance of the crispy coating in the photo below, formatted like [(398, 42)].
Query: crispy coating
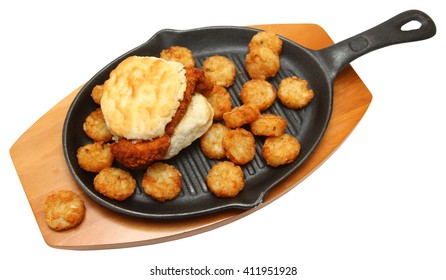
[(239, 145), (63, 210), (192, 77), (280, 150), (225, 179), (259, 93), (96, 128), (268, 125), (266, 39), (294, 93), (162, 181), (139, 155), (220, 100), (203, 86), (211, 142), (115, 183), (241, 115), (219, 70), (262, 63), (96, 93), (94, 157), (179, 54)]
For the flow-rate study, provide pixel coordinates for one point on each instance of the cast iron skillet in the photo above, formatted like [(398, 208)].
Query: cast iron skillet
[(319, 67)]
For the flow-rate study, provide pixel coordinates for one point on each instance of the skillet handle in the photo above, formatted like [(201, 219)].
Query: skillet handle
[(390, 32)]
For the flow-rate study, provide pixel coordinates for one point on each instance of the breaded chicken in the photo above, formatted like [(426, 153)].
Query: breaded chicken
[(139, 155)]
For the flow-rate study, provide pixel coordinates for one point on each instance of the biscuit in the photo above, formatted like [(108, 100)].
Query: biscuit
[(195, 123), (141, 96), (63, 210), (162, 181)]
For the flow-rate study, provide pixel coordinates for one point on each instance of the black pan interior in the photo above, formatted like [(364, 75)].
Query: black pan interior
[(307, 124)]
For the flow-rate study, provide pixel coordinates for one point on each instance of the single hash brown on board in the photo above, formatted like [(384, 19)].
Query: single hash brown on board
[(63, 210)]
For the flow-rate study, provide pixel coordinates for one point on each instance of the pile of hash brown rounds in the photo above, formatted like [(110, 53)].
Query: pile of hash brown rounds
[(230, 139)]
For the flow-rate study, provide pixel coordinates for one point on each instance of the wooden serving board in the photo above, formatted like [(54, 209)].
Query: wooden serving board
[(40, 164)]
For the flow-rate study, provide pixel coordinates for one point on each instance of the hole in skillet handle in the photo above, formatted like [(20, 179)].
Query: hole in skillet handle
[(411, 25)]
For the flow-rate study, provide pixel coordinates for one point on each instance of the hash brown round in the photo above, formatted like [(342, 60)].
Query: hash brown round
[(280, 150), (96, 128), (241, 115), (63, 210), (219, 70), (211, 142), (225, 179), (115, 183), (259, 93), (179, 54), (94, 157), (262, 63), (162, 181), (294, 93), (239, 145), (268, 125)]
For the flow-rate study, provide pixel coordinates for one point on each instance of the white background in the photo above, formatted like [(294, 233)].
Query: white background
[(376, 209)]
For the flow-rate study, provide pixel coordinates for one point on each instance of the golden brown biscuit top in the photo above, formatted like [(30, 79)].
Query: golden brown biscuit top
[(142, 95)]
